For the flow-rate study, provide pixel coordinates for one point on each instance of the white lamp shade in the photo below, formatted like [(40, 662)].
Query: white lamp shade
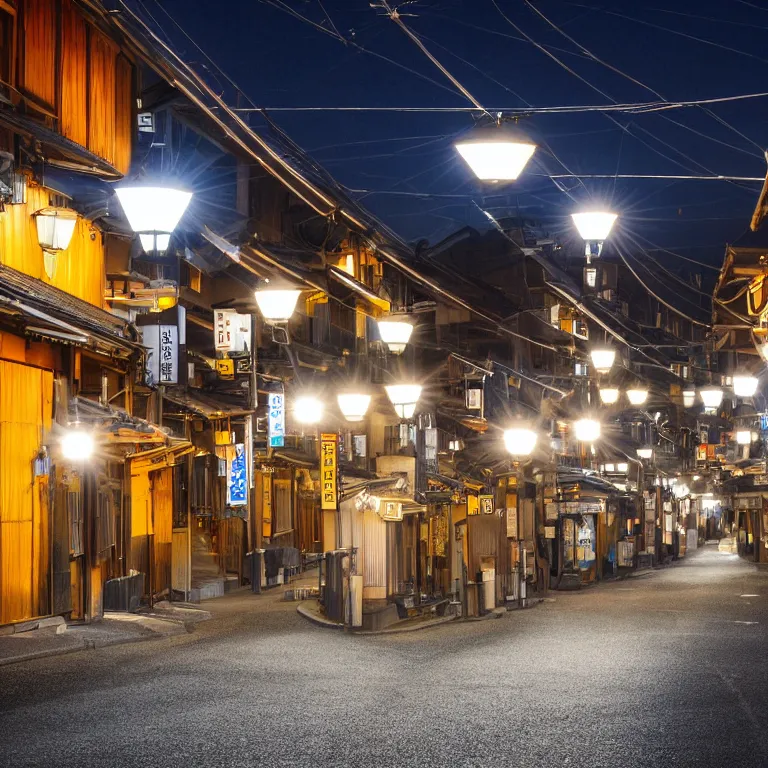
[(637, 396), (395, 334), (155, 243), (603, 359), (587, 430), (594, 225), (307, 410), (496, 160), (608, 395), (645, 453), (689, 398), (277, 305), (153, 209), (520, 441), (77, 445), (744, 437), (744, 386), (353, 406), (55, 227), (622, 467), (404, 398), (711, 397)]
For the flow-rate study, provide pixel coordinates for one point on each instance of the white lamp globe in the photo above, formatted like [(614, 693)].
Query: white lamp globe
[(496, 152), (77, 445), (594, 226), (745, 386), (307, 410), (395, 334), (645, 453), (55, 227), (711, 397), (520, 441), (153, 209), (277, 304), (689, 398), (353, 406), (744, 437), (587, 430), (637, 396), (404, 398), (603, 359), (609, 395)]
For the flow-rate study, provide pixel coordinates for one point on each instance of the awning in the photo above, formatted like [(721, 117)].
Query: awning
[(360, 288), (71, 154), (160, 458), (204, 405), (299, 458), (48, 312)]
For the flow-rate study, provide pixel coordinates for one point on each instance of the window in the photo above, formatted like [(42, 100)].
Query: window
[(590, 277), (39, 62), (7, 44), (106, 501), (281, 506), (581, 369), (75, 520)]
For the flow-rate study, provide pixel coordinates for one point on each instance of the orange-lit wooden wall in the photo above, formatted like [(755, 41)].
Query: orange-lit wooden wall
[(70, 71), (80, 269)]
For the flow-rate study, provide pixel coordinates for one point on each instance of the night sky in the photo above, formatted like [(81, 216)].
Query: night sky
[(686, 49)]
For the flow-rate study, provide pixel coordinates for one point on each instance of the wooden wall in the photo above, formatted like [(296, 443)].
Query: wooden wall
[(72, 71)]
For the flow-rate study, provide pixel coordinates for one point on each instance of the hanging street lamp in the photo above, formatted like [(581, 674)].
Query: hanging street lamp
[(153, 213), (745, 386), (404, 398), (276, 302), (520, 441), (689, 398), (637, 396), (395, 333), (307, 410), (77, 444), (744, 437), (353, 405), (496, 152), (609, 395), (603, 359), (711, 397), (645, 453), (594, 228), (587, 430)]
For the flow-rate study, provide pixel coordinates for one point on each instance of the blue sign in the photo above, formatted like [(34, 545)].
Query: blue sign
[(237, 491), (763, 422), (276, 420)]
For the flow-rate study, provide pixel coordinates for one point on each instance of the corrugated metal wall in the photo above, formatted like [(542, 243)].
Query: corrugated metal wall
[(374, 555), (483, 541)]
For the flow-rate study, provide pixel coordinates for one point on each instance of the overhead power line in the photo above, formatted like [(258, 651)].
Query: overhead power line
[(641, 107)]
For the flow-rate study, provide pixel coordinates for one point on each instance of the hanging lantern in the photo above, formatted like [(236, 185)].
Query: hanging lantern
[(353, 406), (711, 397), (745, 386), (307, 410), (587, 430), (689, 398), (55, 227), (645, 453), (276, 303), (395, 334), (637, 396), (77, 445), (609, 395), (603, 359), (520, 441)]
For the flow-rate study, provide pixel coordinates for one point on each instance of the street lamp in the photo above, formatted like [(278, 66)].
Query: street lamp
[(307, 410), (77, 445), (276, 303), (711, 397), (520, 442), (609, 395), (594, 227), (404, 398), (744, 437), (55, 227), (603, 359), (689, 398), (353, 406), (745, 386), (645, 453), (496, 152), (153, 212), (395, 334), (587, 430), (637, 396)]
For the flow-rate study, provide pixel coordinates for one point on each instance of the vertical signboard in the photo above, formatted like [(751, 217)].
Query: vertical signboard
[(237, 488), (169, 354), (276, 420), (329, 454)]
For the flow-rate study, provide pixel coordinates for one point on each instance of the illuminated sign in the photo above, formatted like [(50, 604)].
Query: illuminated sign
[(276, 420), (329, 456)]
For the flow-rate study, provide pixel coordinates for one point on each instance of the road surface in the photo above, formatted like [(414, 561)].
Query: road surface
[(663, 670)]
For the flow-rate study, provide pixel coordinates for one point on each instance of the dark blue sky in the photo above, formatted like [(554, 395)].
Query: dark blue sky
[(281, 61)]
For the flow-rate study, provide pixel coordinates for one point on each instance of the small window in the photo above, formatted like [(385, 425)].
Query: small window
[(281, 506), (590, 277), (581, 369)]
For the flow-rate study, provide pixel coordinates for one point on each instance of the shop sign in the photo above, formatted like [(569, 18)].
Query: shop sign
[(232, 331), (329, 455), (163, 359), (549, 531), (391, 510), (486, 504), (276, 420), (511, 523), (701, 452), (237, 489), (473, 505), (761, 480), (225, 368)]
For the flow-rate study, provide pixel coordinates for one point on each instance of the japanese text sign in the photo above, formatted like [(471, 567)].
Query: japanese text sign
[(276, 420), (329, 453)]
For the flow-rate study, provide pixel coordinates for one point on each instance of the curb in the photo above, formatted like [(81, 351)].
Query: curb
[(320, 622)]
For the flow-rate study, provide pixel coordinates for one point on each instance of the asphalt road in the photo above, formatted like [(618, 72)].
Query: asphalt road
[(667, 669)]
